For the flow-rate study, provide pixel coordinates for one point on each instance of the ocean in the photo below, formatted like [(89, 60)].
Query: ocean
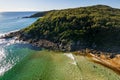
[(11, 51)]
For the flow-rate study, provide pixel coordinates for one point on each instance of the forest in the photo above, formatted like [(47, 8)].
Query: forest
[(90, 27)]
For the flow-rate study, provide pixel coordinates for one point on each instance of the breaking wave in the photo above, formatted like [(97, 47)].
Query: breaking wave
[(5, 63)]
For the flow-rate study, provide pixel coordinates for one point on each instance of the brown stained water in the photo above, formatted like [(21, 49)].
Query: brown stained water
[(113, 64)]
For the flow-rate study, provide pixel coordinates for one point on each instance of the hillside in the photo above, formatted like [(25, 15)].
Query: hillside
[(96, 27), (39, 14)]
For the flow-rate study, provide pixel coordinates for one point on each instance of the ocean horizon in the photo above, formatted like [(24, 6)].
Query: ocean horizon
[(12, 51)]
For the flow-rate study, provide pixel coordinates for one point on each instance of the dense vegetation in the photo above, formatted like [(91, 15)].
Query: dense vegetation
[(39, 14), (94, 27)]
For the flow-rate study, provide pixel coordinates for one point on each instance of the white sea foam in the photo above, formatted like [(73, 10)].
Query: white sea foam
[(3, 65), (2, 55), (5, 68), (7, 42), (3, 34), (70, 55), (2, 41)]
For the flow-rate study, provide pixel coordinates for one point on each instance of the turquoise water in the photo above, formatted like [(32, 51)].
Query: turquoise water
[(11, 51)]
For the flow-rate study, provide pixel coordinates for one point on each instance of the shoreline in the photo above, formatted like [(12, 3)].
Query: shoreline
[(97, 56), (111, 63), (3, 35), (59, 46)]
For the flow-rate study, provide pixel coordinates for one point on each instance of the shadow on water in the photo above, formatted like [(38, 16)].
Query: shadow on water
[(29, 46)]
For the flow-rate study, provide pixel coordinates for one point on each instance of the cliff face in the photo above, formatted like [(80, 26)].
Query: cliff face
[(96, 27)]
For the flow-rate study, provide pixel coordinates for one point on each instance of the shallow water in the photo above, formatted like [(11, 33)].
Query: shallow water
[(11, 51)]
